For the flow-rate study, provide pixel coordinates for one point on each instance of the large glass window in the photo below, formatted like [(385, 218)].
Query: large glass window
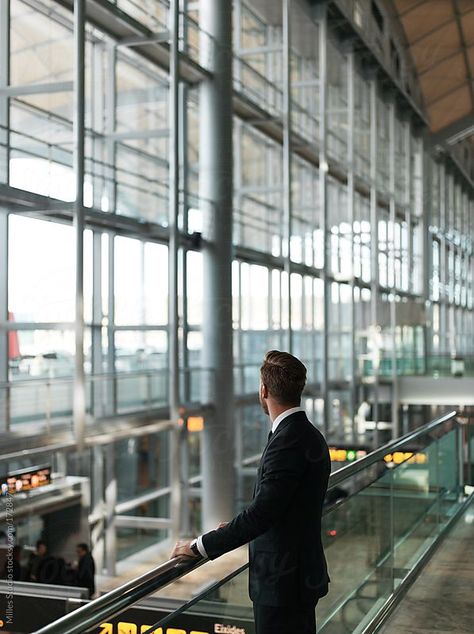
[(41, 43), (341, 281), (41, 270), (141, 282)]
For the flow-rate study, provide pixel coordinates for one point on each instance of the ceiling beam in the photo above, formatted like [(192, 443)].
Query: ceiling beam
[(432, 31), (457, 13), (449, 92), (455, 131), (416, 6)]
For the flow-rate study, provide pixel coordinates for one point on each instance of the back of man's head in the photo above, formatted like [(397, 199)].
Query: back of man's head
[(83, 548), (284, 377)]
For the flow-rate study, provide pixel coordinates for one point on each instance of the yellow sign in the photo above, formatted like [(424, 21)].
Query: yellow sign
[(340, 454), (397, 457), (127, 628), (124, 627), (195, 423)]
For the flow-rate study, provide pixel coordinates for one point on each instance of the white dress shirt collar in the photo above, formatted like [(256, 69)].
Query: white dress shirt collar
[(283, 415)]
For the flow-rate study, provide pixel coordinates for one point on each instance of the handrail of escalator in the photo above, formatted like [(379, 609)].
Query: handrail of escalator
[(109, 605), (393, 445)]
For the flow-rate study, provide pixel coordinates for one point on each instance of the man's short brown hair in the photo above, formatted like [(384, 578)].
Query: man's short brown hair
[(284, 376)]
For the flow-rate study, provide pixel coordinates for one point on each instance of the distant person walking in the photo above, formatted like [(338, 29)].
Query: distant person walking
[(36, 561), (287, 567), (85, 574), (44, 567)]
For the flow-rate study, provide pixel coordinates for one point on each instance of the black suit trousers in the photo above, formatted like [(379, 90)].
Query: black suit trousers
[(284, 620)]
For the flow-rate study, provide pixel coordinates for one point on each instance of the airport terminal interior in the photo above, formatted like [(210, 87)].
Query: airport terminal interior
[(185, 185)]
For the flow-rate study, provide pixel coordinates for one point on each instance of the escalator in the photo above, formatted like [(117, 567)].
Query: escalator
[(387, 514)]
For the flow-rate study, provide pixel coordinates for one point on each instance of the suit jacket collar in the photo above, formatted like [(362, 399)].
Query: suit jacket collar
[(287, 420), (279, 419), (284, 423)]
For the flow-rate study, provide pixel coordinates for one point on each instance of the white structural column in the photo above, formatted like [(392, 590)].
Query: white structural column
[(391, 263), (351, 217), (97, 391), (321, 14), (374, 260), (4, 392), (443, 268), (287, 198), (4, 160), (173, 290), (173, 316), (79, 395), (4, 82), (97, 504), (110, 148), (215, 191), (427, 249), (98, 73), (110, 500)]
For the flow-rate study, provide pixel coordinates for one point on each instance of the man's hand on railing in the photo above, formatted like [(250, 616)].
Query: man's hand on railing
[(183, 549), (192, 549)]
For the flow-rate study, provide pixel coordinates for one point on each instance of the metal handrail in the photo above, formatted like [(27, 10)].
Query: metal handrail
[(68, 379), (394, 445), (126, 595), (116, 601)]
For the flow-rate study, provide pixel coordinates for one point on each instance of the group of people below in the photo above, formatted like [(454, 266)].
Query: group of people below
[(42, 567)]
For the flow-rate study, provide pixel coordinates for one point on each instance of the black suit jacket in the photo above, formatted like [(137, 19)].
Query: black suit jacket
[(283, 522), (85, 576)]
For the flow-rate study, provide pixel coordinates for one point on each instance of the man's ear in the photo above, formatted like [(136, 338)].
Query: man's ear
[(264, 391)]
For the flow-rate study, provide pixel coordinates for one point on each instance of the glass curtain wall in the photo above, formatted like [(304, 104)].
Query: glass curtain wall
[(450, 242), (353, 246)]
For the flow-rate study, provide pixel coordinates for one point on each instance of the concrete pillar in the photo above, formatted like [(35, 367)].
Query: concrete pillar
[(4, 82), (287, 176), (173, 270), (4, 161), (215, 191), (110, 499), (79, 394), (97, 392), (321, 15), (4, 391), (374, 255), (391, 263), (353, 405)]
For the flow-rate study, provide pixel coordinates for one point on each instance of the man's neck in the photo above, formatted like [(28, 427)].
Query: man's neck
[(275, 410)]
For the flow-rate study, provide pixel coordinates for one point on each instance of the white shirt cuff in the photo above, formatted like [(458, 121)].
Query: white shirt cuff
[(200, 547)]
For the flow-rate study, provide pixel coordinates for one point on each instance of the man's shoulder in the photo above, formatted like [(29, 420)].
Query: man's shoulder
[(300, 425), (308, 437), (293, 425), (301, 431)]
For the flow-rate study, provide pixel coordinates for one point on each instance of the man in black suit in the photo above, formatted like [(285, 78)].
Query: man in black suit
[(287, 566), (85, 574)]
